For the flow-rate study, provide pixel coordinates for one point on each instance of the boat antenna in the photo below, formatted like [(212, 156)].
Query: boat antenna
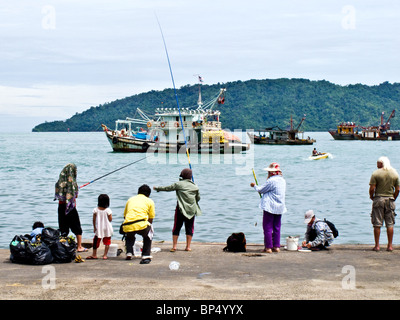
[(199, 102), (176, 96), (111, 172)]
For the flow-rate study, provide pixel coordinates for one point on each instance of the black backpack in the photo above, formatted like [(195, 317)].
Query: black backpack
[(236, 242), (331, 226)]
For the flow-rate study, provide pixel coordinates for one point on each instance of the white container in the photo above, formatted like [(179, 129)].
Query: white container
[(137, 249), (292, 243), (112, 251)]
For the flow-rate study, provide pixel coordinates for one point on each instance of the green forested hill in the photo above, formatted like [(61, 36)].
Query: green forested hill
[(256, 104)]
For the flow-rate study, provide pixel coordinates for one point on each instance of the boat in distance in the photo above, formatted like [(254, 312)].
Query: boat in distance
[(278, 136), (171, 130), (350, 131), (345, 131)]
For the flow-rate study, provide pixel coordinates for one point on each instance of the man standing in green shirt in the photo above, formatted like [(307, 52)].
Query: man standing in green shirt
[(384, 188)]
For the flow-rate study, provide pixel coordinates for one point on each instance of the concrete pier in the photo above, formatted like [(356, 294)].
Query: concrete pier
[(345, 272)]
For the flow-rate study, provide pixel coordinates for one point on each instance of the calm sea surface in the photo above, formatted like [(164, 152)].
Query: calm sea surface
[(335, 188)]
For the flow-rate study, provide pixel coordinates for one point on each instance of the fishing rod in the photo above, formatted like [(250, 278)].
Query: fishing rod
[(255, 179), (107, 174), (176, 95)]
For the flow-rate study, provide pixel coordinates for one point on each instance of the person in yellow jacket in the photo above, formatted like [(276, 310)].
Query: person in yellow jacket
[(138, 218)]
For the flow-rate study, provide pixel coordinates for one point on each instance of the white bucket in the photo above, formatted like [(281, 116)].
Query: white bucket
[(292, 243), (112, 251)]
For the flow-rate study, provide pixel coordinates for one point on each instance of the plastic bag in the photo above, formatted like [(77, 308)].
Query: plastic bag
[(50, 236), (18, 250), (39, 253), (23, 251), (63, 251)]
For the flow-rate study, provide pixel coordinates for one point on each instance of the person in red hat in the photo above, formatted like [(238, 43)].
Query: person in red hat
[(272, 203)]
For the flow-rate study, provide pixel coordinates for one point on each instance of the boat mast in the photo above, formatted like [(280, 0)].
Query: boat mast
[(199, 101)]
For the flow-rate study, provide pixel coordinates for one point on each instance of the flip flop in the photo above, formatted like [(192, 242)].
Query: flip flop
[(145, 261), (84, 250), (91, 258), (172, 250), (105, 258)]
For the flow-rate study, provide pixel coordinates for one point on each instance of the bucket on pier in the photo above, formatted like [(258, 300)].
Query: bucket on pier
[(292, 243), (112, 251)]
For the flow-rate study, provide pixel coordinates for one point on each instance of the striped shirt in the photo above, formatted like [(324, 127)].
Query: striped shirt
[(273, 195), (324, 233)]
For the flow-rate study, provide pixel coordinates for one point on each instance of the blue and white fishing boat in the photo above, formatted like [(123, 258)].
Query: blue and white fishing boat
[(168, 129)]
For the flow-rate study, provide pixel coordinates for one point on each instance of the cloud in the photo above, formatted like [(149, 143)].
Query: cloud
[(62, 57), (59, 101)]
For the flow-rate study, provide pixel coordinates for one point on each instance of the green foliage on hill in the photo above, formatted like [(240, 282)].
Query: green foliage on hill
[(256, 104)]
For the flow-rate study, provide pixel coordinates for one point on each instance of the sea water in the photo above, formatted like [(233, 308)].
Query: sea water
[(335, 188)]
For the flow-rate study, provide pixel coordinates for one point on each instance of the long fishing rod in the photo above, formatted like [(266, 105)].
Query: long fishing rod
[(176, 95), (107, 174)]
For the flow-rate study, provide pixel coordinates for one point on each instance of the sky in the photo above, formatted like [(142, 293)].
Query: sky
[(59, 58)]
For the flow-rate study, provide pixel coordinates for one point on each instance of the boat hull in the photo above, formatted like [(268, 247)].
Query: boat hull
[(128, 144), (296, 142), (343, 136), (320, 156), (131, 144)]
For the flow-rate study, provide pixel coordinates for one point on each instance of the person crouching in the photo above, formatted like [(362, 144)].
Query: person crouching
[(318, 235)]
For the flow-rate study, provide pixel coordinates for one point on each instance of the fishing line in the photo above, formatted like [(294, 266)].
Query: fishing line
[(176, 95), (107, 174)]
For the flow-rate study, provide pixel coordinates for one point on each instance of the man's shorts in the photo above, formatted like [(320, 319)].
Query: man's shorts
[(383, 210)]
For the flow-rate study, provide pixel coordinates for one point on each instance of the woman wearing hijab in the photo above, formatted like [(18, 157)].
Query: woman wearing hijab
[(187, 207), (66, 192), (273, 206)]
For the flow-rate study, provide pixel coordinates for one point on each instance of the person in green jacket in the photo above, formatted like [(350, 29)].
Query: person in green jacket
[(188, 196)]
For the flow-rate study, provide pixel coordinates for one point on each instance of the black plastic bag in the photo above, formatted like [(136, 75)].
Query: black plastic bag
[(18, 251), (50, 236), (63, 250), (25, 252), (39, 253)]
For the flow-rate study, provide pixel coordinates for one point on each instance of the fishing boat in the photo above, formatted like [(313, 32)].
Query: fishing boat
[(172, 130), (349, 131), (319, 156), (381, 132), (278, 136), (345, 131)]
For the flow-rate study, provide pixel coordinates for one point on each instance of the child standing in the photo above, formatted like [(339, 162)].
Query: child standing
[(102, 217)]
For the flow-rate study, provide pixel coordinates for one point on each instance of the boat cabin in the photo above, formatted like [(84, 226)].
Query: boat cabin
[(346, 128)]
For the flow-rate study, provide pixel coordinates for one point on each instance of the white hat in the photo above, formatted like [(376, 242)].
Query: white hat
[(308, 216), (273, 167)]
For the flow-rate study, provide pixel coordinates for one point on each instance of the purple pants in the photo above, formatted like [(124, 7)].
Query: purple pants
[(272, 230)]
